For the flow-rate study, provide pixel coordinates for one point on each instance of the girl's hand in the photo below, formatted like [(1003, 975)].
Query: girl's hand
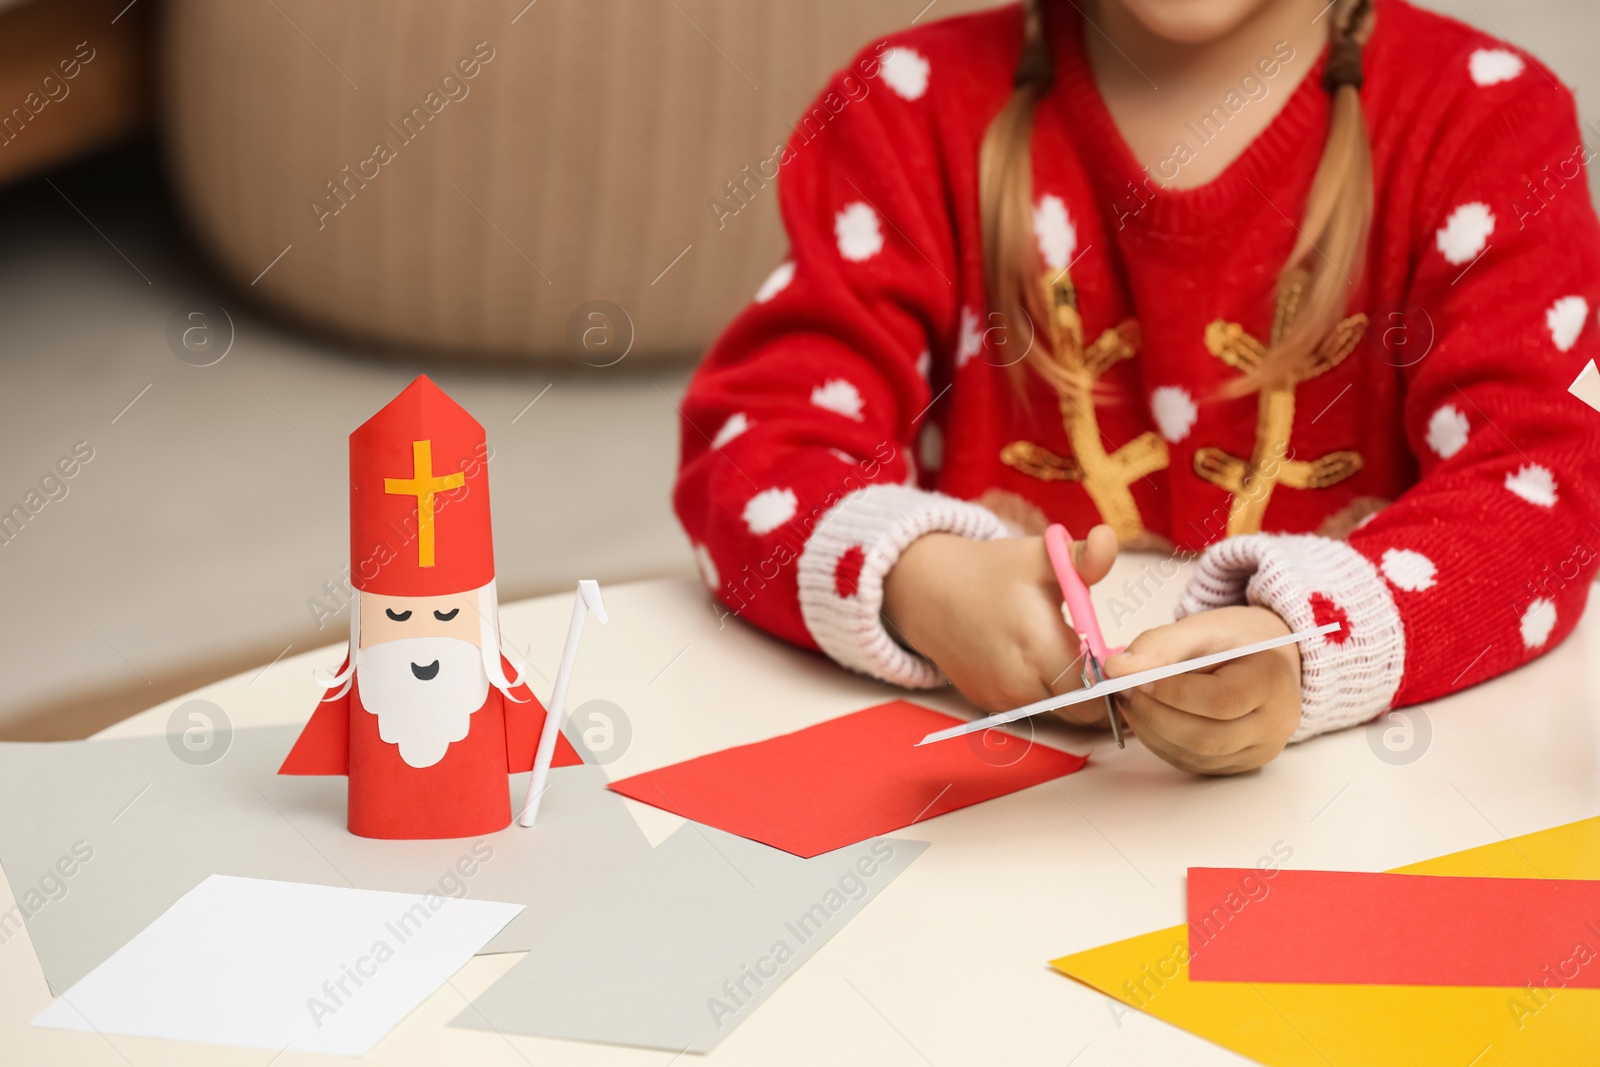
[(988, 615), (1236, 716)]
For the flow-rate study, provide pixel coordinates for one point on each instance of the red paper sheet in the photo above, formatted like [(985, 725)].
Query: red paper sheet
[(844, 780), (1347, 928)]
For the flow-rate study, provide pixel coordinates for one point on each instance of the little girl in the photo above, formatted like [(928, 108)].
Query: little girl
[(1299, 288)]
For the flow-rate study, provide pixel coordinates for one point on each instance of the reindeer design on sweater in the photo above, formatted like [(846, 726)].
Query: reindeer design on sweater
[(1073, 370), (1252, 480)]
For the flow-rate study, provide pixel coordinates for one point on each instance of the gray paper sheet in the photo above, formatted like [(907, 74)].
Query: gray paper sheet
[(681, 948), (98, 838)]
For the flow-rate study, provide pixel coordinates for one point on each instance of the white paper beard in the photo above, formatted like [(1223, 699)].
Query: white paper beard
[(420, 708)]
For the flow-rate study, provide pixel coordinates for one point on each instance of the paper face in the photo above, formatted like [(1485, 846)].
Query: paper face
[(688, 942), (280, 965), (391, 618)]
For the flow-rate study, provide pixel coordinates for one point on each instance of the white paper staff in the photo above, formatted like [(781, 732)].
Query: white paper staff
[(587, 600)]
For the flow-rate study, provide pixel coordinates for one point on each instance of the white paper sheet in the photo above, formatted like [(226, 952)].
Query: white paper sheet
[(280, 965)]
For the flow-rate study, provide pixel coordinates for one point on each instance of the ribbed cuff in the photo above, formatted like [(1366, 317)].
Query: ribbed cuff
[(846, 559), (1346, 678)]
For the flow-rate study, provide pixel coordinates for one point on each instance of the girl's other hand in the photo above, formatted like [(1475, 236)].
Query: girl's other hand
[(988, 615), (1236, 716)]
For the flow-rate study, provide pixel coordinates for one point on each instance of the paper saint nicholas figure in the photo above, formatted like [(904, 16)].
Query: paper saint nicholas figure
[(426, 716)]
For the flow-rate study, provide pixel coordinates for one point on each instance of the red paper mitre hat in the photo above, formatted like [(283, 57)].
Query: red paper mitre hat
[(419, 498)]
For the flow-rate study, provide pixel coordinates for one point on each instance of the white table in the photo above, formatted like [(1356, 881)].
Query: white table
[(948, 967)]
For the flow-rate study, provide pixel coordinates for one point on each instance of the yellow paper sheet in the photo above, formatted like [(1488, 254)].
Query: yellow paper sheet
[(1374, 1026)]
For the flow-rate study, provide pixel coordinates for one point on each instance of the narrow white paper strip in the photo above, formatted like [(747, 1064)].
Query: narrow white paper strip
[(280, 965), (1118, 685)]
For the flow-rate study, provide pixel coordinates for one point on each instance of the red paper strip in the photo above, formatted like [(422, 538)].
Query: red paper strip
[(846, 779), (1348, 928)]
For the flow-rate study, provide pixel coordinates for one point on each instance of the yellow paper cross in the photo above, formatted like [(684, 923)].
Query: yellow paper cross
[(422, 485)]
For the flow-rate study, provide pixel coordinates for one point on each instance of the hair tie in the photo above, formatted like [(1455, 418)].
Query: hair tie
[(1035, 66), (1344, 65)]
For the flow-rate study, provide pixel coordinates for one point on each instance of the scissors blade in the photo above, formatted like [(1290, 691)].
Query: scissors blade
[(1119, 685), (1093, 674), (1111, 704)]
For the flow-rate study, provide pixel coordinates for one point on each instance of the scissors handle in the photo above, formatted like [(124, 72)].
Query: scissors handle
[(1058, 544)]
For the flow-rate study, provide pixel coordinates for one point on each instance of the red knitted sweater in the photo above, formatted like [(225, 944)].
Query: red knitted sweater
[(1432, 485)]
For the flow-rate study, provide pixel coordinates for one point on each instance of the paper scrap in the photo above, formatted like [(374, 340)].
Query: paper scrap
[(843, 780), (1346, 927), (682, 948), (101, 837), (280, 965), (1586, 387), (1313, 1025)]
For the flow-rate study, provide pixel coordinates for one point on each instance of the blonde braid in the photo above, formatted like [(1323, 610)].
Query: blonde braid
[(1330, 252), (1011, 263)]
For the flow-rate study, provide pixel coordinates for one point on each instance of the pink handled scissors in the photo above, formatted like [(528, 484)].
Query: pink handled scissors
[(1091, 642)]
